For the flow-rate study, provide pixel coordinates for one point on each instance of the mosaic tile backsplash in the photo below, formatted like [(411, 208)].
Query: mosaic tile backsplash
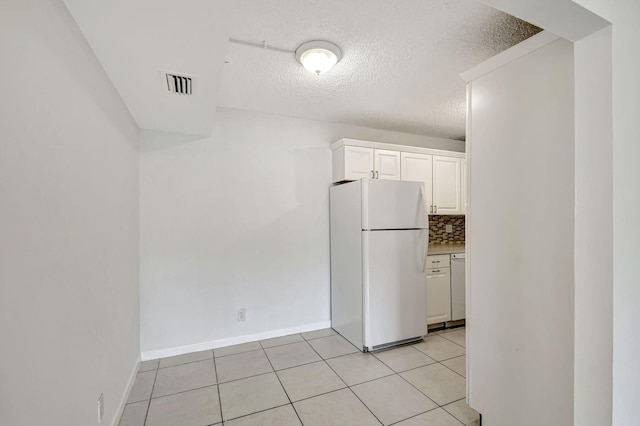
[(438, 225)]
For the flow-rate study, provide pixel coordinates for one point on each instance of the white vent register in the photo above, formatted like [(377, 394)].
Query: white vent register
[(180, 84)]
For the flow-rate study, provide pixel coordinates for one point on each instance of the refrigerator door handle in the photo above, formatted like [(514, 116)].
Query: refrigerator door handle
[(424, 256), (424, 198)]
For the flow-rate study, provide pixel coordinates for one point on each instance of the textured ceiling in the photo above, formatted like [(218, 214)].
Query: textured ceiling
[(400, 67)]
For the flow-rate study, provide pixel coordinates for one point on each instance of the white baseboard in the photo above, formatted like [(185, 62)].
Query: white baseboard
[(220, 343), (125, 396)]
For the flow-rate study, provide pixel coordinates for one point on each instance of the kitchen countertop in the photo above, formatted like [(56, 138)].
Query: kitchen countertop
[(446, 248)]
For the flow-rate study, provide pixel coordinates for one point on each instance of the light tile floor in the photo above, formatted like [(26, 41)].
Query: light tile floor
[(315, 378)]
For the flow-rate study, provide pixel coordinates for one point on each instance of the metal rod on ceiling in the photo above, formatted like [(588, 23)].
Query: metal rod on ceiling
[(262, 45)]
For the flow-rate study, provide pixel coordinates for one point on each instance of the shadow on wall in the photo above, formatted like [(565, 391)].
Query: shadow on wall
[(166, 140)]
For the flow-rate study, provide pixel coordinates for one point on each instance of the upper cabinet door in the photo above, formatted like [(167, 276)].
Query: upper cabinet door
[(446, 185), (358, 163), (387, 164), (463, 185), (419, 168)]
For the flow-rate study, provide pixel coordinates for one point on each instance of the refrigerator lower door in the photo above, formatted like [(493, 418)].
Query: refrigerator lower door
[(395, 287)]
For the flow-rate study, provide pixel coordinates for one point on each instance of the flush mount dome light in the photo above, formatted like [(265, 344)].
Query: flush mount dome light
[(318, 56)]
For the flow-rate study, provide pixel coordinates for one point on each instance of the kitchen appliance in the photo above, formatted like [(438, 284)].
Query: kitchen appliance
[(458, 296), (379, 232)]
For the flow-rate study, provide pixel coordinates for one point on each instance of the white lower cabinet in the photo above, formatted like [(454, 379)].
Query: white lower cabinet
[(438, 295)]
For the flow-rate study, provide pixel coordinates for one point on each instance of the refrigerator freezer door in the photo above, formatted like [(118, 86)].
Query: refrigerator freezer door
[(389, 204), (395, 286)]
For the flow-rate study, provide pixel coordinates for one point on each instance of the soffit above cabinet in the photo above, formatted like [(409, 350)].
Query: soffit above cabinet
[(139, 41)]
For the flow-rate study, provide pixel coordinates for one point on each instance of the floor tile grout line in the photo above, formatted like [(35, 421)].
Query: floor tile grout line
[(184, 391), (445, 366), (451, 414), (453, 357), (416, 388), (412, 368), (155, 378), (314, 338), (449, 340), (415, 368), (257, 412), (242, 378), (445, 359), (366, 406), (238, 353), (356, 395), (320, 394), (215, 368), (415, 415), (320, 360), (348, 387), (283, 344), (262, 347), (437, 362), (282, 386), (431, 356), (453, 402), (371, 380), (184, 363)]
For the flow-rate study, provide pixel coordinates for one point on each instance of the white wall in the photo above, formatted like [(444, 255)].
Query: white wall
[(593, 231), (626, 203), (626, 175), (520, 239), (240, 219), (69, 313)]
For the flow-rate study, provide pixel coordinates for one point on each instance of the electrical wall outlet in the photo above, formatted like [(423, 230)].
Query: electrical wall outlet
[(449, 228), (242, 314), (100, 407)]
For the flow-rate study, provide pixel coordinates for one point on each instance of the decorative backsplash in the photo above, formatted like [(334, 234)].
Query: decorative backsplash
[(438, 225)]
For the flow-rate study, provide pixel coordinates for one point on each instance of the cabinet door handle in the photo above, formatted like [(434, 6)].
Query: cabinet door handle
[(377, 175), (435, 209), (435, 261), (435, 270), (371, 174), (431, 208)]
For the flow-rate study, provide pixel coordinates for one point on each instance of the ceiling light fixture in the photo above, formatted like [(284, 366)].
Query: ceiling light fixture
[(318, 56)]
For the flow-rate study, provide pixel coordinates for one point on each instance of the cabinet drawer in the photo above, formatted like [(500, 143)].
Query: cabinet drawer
[(438, 296), (438, 261)]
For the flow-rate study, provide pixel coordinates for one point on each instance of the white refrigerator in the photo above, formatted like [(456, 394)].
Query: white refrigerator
[(379, 235)]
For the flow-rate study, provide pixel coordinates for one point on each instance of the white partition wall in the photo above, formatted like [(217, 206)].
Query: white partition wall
[(593, 350), (520, 235), (69, 304)]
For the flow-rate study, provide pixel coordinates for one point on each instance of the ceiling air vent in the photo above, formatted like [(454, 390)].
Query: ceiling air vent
[(179, 84)]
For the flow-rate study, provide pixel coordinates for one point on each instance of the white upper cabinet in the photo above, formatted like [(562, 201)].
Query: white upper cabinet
[(419, 168), (463, 185), (446, 185), (387, 164), (355, 162), (443, 173), (352, 163)]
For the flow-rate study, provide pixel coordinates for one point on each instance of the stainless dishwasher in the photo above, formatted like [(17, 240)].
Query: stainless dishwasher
[(458, 262)]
